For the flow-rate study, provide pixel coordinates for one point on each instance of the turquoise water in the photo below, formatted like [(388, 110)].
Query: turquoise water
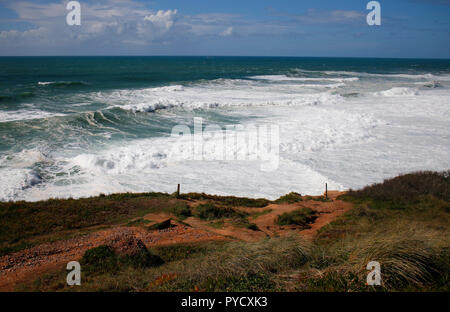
[(79, 126)]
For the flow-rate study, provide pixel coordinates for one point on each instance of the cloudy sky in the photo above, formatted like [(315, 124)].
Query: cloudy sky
[(410, 28)]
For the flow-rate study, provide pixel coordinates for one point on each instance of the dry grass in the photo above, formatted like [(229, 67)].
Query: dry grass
[(22, 222), (408, 188), (408, 233)]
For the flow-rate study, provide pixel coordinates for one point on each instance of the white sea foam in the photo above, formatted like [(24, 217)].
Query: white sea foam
[(386, 75), (144, 166), (150, 164), (226, 94), (22, 159), (16, 176), (316, 129), (397, 91), (6, 116), (13, 182), (61, 83), (174, 88), (346, 142), (289, 78)]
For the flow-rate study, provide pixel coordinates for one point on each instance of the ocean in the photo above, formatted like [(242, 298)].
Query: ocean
[(82, 126)]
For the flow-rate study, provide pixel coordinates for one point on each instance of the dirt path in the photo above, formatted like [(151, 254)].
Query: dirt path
[(26, 265), (327, 212)]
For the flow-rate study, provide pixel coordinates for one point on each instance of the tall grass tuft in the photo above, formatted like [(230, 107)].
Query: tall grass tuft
[(408, 188)]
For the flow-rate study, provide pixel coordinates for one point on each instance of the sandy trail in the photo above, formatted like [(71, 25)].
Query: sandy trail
[(28, 264), (327, 212)]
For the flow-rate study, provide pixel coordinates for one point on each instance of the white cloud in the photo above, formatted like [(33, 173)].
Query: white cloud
[(107, 22), (163, 19), (110, 25), (227, 32)]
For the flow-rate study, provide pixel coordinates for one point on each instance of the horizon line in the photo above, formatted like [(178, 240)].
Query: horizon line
[(230, 56)]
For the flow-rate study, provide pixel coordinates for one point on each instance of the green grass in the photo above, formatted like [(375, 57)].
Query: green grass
[(24, 224), (228, 266), (176, 252), (302, 217), (406, 189), (404, 224), (410, 240), (181, 210), (322, 199), (290, 198), (210, 211), (103, 259), (244, 223), (228, 200)]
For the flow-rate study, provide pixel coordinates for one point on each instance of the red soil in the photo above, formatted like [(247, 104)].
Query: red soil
[(27, 265)]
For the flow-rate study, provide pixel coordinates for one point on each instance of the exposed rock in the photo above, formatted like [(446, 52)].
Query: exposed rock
[(162, 225), (126, 244)]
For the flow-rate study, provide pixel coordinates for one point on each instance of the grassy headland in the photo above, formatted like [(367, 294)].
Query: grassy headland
[(403, 223), (24, 224)]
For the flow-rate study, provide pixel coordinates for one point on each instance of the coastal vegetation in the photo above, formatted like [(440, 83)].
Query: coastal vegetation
[(403, 223)]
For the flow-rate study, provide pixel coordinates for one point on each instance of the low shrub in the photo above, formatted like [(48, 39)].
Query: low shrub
[(407, 189), (210, 211), (184, 251), (322, 199), (289, 198), (101, 259), (302, 217), (21, 223), (142, 259), (244, 223), (229, 200), (181, 210)]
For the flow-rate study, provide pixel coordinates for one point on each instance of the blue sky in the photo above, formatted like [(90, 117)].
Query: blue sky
[(410, 28)]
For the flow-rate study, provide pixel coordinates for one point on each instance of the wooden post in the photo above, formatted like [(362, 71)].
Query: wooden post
[(178, 191), (326, 190)]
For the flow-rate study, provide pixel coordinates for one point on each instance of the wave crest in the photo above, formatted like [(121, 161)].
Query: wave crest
[(398, 91), (62, 84)]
